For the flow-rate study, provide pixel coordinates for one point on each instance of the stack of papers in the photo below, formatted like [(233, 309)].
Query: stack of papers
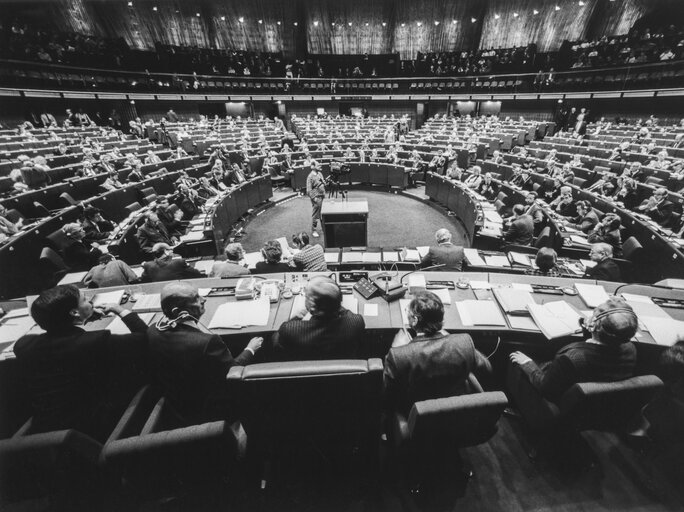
[(514, 301), (104, 298), (480, 312), (592, 294), (473, 258), (147, 302), (497, 261), (238, 314), (555, 319), (390, 256), (519, 258)]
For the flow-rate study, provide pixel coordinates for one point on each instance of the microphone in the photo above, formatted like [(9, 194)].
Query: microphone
[(420, 270)]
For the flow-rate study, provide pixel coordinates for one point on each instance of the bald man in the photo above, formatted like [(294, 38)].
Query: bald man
[(446, 254), (605, 269), (188, 363), (324, 330)]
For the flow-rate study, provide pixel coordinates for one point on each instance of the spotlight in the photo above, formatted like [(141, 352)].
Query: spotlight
[(197, 14), (367, 24), (223, 18), (581, 3), (535, 12), (260, 22), (384, 24), (515, 14), (473, 20), (496, 16), (333, 23), (350, 23), (453, 22), (557, 8), (241, 19), (403, 24), (436, 23), (154, 8), (315, 23), (278, 23), (130, 4), (295, 23)]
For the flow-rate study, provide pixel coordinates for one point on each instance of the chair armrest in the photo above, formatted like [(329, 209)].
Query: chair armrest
[(134, 416), (538, 412), (25, 429), (474, 384)]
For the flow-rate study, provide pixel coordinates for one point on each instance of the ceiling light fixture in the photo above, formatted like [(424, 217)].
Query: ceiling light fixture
[(295, 23), (453, 22), (315, 23), (154, 8), (241, 19), (260, 22), (350, 23), (436, 23), (496, 16), (515, 14), (384, 24), (419, 23), (473, 20), (403, 24), (535, 12), (130, 4), (557, 8)]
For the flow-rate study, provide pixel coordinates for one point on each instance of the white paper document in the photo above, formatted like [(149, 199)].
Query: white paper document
[(473, 257), (579, 240), (632, 297), (352, 257), (204, 265), (73, 278), (390, 256), (287, 252), (480, 285), (592, 294), (11, 329), (114, 297), (117, 326), (252, 258), (526, 287), (520, 258), (412, 255), (555, 319), (443, 294), (480, 312), (192, 236), (146, 302), (513, 301), (370, 309), (351, 303), (497, 261), (423, 250), (332, 257), (242, 313), (138, 271), (372, 257), (664, 331)]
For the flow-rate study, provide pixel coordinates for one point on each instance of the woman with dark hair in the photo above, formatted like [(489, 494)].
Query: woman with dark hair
[(545, 260), (272, 253)]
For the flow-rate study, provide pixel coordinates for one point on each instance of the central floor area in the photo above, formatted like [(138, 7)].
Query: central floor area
[(394, 220)]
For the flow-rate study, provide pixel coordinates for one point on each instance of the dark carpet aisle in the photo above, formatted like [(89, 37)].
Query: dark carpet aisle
[(393, 221)]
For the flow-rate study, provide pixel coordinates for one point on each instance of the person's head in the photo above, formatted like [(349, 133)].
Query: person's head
[(660, 194), (518, 210), (426, 313), (161, 250), (600, 251), (323, 297), (671, 362), (488, 177), (300, 239), (476, 170), (530, 198), (93, 214), (611, 222), (272, 252), (566, 192), (73, 231), (58, 309), (151, 219), (105, 258), (180, 299), (583, 207), (443, 236), (234, 252), (545, 259), (612, 323)]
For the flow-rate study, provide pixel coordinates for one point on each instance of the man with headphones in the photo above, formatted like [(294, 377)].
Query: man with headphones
[(315, 189), (607, 355), (188, 363)]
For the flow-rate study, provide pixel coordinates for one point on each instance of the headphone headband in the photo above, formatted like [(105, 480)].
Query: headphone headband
[(616, 310)]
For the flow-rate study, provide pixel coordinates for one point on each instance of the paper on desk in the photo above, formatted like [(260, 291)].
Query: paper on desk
[(11, 329), (287, 251), (252, 258), (73, 278), (633, 297), (520, 258), (138, 271), (443, 294), (370, 309), (146, 302), (497, 261), (332, 257), (665, 331), (473, 257), (390, 256), (403, 307), (522, 322), (204, 266), (103, 298), (555, 319), (412, 255), (192, 236), (480, 312), (587, 263), (480, 285), (592, 294), (372, 257), (351, 303), (352, 257), (579, 240), (16, 313), (203, 292), (493, 216), (423, 250), (525, 287), (242, 313), (648, 309), (117, 326)]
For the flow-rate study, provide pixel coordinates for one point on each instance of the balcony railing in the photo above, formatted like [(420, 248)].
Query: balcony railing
[(31, 75)]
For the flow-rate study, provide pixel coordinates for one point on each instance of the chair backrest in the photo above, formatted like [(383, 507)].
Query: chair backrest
[(544, 239), (281, 403), (631, 248), (67, 199), (14, 215), (133, 207), (57, 240), (608, 405), (50, 259), (456, 421), (40, 210)]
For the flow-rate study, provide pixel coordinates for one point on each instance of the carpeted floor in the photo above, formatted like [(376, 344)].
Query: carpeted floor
[(393, 221)]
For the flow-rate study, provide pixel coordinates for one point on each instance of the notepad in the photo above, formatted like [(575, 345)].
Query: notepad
[(555, 319), (423, 250), (370, 309), (390, 256), (519, 258), (243, 313), (101, 299), (332, 257), (204, 266), (411, 255), (513, 301), (351, 303), (473, 257), (372, 257), (480, 312), (117, 326), (147, 302), (592, 294), (497, 261), (73, 278)]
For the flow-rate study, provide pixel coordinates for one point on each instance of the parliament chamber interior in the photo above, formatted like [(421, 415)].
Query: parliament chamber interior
[(380, 255)]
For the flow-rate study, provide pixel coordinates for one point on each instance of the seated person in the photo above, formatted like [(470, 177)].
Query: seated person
[(534, 209), (70, 372), (109, 272), (608, 231), (605, 269), (552, 192), (545, 260), (272, 252), (449, 256), (521, 229), (152, 158), (166, 266), (434, 364), (607, 355), (187, 364), (332, 332), (487, 188), (18, 184), (79, 255), (475, 178), (96, 227), (586, 218), (136, 175), (7, 227), (171, 217), (659, 208), (564, 204), (152, 232), (231, 267), (310, 258), (112, 182)]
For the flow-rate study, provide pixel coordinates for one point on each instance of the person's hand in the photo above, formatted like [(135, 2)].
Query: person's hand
[(111, 308), (299, 315), (255, 343), (519, 358)]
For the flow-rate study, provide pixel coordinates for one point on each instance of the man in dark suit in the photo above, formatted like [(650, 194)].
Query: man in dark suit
[(172, 116), (445, 253), (434, 364), (659, 208), (72, 375), (166, 266), (188, 364), (605, 269), (331, 332), (79, 254), (607, 355), (521, 229), (152, 232)]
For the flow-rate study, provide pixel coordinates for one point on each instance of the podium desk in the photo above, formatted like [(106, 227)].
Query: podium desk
[(345, 223)]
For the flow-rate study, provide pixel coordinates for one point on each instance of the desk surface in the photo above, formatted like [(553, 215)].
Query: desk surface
[(336, 207)]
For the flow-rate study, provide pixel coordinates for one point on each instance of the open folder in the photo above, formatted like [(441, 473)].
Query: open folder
[(235, 315), (555, 319)]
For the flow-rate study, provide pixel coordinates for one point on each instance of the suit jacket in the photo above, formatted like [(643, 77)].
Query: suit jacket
[(521, 231), (663, 213), (168, 269), (319, 339), (429, 367), (263, 267), (449, 255), (73, 377), (228, 269), (79, 257), (581, 362), (189, 367), (606, 270), (148, 236)]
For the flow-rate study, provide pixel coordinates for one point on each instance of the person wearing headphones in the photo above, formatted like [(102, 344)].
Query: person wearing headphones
[(434, 364), (607, 355), (167, 266), (331, 332), (605, 269), (445, 253), (188, 363), (272, 252), (310, 258)]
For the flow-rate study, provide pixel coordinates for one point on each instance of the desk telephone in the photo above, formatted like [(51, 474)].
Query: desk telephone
[(271, 289)]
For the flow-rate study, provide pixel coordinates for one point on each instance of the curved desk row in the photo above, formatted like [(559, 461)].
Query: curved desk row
[(388, 175), (458, 199)]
